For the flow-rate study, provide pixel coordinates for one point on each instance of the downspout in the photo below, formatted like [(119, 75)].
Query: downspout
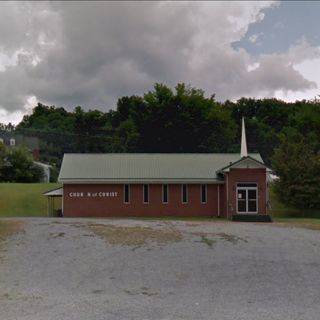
[(218, 200), (267, 193), (62, 199), (227, 191)]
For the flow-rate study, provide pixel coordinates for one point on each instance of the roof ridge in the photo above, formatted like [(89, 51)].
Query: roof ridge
[(157, 153)]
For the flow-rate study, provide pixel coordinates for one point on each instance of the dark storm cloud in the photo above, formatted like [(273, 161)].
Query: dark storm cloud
[(85, 53)]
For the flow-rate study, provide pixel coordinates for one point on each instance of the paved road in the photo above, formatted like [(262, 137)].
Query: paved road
[(80, 269)]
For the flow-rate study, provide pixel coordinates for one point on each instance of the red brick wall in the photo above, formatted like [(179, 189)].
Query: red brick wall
[(246, 175), (223, 201), (115, 206)]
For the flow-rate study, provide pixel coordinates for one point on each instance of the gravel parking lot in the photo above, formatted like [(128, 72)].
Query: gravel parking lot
[(82, 269)]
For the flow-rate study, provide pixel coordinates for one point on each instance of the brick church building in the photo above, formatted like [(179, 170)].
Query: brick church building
[(226, 185)]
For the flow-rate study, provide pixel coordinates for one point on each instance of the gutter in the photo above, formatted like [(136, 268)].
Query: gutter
[(139, 181)]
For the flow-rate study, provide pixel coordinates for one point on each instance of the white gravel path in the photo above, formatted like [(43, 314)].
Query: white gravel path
[(60, 269)]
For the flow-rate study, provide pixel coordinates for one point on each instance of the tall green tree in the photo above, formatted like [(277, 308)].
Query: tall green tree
[(17, 165), (180, 120), (3, 153), (297, 162)]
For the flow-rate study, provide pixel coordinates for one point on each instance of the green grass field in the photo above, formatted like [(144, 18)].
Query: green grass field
[(24, 199), (281, 211)]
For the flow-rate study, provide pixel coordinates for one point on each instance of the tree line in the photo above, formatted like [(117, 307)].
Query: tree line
[(184, 119)]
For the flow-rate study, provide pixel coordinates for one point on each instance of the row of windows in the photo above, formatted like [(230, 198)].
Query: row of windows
[(12, 141), (165, 193)]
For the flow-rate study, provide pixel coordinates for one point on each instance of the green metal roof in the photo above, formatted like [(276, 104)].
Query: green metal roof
[(145, 167), (57, 192)]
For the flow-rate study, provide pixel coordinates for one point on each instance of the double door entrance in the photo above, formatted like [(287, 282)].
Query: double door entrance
[(247, 198)]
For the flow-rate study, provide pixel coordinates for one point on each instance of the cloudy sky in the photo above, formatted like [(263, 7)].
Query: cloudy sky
[(88, 54)]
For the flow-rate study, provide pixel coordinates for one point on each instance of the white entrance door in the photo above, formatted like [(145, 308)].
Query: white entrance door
[(247, 198)]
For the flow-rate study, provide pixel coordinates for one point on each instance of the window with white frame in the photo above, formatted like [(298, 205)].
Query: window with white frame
[(165, 193), (145, 193), (12, 142), (126, 197), (203, 193), (184, 193)]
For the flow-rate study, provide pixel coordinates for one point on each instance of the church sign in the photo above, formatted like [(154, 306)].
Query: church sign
[(101, 194)]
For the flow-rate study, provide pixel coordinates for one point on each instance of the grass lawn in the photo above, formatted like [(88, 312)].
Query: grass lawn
[(306, 223), (24, 199), (285, 216), (280, 211)]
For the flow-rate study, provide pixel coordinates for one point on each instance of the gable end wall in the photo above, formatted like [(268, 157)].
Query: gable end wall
[(245, 175)]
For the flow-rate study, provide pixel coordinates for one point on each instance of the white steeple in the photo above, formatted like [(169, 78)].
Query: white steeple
[(244, 151)]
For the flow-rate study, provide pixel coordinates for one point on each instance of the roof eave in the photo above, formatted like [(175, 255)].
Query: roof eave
[(54, 192), (139, 181), (226, 168)]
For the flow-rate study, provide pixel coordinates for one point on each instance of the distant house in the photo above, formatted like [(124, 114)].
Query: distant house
[(46, 171), (12, 140)]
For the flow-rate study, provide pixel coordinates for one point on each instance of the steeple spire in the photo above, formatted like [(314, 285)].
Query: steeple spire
[(244, 151)]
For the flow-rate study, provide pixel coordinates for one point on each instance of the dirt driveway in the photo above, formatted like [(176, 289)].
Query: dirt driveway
[(81, 269)]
